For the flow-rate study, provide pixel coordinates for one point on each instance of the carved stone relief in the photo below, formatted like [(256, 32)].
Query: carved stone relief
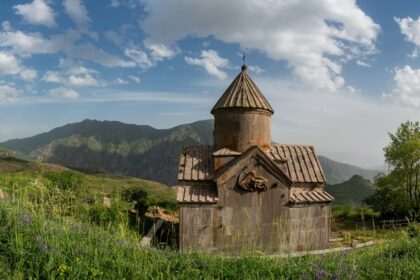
[(250, 181)]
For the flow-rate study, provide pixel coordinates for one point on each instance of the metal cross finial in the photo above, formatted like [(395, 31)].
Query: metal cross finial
[(243, 66)]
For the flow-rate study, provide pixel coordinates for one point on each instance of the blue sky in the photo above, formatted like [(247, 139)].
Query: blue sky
[(340, 74)]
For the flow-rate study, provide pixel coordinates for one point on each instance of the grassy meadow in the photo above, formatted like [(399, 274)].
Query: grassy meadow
[(50, 230)]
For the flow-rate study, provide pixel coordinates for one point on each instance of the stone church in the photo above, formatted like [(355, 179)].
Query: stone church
[(245, 193)]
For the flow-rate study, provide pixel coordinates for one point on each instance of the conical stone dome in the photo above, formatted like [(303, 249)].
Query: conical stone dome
[(243, 93)]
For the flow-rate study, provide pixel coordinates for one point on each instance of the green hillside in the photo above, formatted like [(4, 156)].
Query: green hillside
[(351, 192), (136, 150), (132, 150), (96, 183)]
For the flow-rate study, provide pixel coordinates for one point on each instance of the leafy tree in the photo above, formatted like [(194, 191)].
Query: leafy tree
[(399, 191), (391, 202), (403, 155)]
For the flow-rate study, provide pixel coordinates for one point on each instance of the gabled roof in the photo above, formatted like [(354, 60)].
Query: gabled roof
[(197, 194), (242, 93), (310, 196), (196, 163), (255, 152), (301, 163), (298, 162)]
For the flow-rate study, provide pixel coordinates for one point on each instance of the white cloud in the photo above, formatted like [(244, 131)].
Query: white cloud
[(256, 69), (134, 79), (28, 74), (114, 37), (315, 37), (139, 57), (35, 43), (82, 81), (407, 87), (53, 77), (8, 93), (6, 26), (363, 63), (211, 62), (132, 4), (9, 64), (32, 43), (160, 51), (37, 12), (90, 52), (77, 80), (114, 4), (76, 11), (80, 70), (64, 93), (121, 81), (411, 29)]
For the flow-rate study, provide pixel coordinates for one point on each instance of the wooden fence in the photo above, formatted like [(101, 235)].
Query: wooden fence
[(394, 224)]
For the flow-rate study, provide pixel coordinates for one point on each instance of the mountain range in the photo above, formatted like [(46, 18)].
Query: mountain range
[(136, 150)]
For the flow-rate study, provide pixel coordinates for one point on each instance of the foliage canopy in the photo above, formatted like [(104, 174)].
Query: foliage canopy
[(398, 193)]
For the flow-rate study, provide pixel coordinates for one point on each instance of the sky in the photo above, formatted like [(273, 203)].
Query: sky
[(340, 74)]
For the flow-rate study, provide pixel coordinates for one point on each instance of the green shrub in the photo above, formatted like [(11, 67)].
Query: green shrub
[(5, 271), (101, 215), (168, 204), (65, 180), (413, 231), (139, 196), (340, 211), (134, 193)]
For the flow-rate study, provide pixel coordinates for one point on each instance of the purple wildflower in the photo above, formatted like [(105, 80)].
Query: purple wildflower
[(25, 218), (346, 252), (42, 246), (319, 272), (314, 266)]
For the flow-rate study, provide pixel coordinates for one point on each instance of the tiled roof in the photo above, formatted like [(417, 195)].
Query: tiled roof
[(197, 194), (299, 163), (242, 93), (310, 196), (196, 163)]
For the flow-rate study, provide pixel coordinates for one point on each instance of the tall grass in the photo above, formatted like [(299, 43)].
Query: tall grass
[(46, 233)]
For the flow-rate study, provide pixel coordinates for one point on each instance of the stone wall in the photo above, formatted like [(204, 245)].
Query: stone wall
[(309, 227), (197, 227), (241, 128), (251, 220), (257, 225)]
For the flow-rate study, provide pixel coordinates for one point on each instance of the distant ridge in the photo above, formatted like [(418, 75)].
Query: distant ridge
[(351, 192), (135, 150), (338, 172)]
